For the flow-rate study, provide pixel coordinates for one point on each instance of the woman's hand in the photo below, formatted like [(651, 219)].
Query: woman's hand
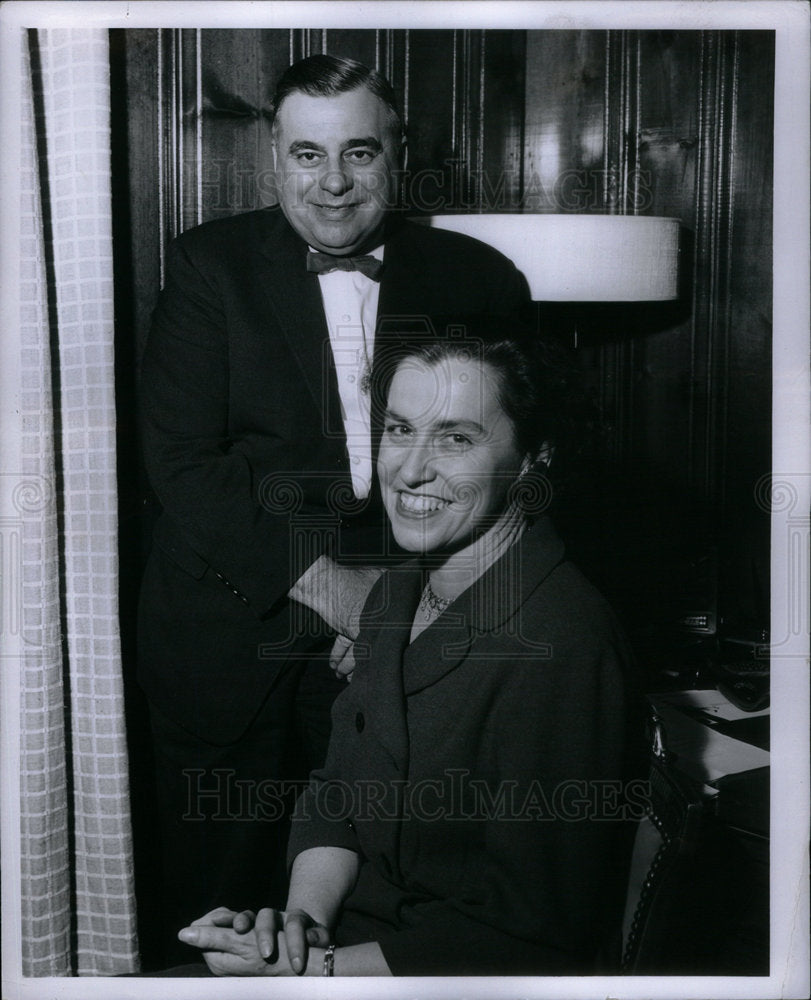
[(229, 943), (229, 951), (301, 932)]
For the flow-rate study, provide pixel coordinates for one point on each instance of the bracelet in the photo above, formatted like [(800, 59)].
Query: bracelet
[(329, 960)]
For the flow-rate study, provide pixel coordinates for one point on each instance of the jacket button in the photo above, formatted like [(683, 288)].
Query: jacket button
[(360, 722)]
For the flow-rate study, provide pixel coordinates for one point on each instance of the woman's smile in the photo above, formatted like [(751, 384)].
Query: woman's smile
[(420, 504)]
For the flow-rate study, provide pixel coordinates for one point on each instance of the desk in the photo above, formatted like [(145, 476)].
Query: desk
[(710, 737), (725, 751)]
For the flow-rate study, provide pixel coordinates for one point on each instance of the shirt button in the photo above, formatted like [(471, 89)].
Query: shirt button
[(350, 378), (355, 460), (360, 722), (346, 317)]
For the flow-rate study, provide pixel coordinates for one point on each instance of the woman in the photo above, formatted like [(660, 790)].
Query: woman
[(469, 819)]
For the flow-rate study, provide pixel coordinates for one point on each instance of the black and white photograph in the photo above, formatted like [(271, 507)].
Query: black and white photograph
[(404, 499)]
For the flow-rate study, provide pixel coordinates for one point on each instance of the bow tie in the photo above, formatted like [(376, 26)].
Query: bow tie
[(323, 263)]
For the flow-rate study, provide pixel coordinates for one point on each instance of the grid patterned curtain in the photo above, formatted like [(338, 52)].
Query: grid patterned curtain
[(78, 907)]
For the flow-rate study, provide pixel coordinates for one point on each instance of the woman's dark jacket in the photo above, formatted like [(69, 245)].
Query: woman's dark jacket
[(481, 773)]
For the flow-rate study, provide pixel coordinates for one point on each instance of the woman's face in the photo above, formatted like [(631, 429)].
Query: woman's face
[(448, 455)]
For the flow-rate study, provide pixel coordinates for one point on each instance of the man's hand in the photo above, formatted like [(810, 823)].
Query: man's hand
[(342, 657), (336, 593)]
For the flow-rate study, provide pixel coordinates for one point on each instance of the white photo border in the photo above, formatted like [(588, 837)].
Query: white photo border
[(790, 694)]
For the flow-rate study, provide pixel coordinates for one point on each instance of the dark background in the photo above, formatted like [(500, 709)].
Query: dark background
[(665, 517)]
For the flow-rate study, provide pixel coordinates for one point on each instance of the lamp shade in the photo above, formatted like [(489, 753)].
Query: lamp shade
[(582, 258)]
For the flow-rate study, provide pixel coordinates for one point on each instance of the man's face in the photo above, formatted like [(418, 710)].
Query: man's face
[(335, 160)]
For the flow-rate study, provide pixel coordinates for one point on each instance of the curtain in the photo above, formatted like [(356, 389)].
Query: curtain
[(78, 906)]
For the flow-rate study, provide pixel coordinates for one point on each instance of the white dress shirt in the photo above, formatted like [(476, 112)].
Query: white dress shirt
[(350, 306)]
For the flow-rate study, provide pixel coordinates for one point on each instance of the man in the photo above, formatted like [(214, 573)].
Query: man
[(257, 437)]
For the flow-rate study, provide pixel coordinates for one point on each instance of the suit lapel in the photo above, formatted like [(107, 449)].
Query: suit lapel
[(294, 297), (440, 648), (405, 278)]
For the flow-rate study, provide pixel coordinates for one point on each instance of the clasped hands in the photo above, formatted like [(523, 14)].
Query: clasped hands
[(269, 943)]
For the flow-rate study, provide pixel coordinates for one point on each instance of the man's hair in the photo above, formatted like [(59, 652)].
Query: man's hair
[(328, 76)]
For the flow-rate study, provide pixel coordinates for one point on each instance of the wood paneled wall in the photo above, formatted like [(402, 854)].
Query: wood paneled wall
[(648, 122)]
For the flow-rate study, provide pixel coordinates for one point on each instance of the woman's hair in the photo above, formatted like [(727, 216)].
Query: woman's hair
[(329, 76), (534, 381)]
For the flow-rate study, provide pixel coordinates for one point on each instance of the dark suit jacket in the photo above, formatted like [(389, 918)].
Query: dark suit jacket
[(479, 773), (245, 449)]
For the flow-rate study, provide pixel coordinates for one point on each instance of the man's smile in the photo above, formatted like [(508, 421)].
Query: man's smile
[(336, 211)]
